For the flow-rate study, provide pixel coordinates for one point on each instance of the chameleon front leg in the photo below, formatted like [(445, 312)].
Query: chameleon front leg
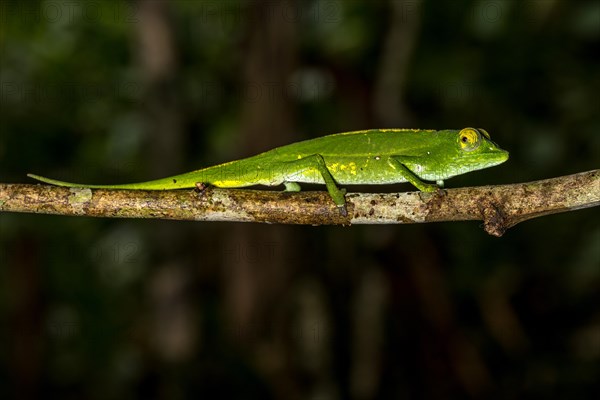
[(397, 163), (316, 163)]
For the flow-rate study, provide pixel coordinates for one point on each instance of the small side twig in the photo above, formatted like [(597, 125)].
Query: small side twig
[(500, 206)]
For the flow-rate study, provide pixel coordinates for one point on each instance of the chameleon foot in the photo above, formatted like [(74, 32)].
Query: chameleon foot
[(201, 187)]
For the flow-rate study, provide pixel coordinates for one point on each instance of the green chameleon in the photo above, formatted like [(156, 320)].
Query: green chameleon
[(370, 157)]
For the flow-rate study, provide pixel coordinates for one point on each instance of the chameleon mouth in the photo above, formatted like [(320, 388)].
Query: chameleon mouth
[(495, 156), (501, 156), (486, 160)]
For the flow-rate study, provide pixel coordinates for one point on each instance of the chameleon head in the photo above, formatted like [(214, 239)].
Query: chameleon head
[(462, 151), (475, 150)]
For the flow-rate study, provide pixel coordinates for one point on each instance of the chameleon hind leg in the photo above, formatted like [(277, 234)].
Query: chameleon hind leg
[(314, 163), (291, 187)]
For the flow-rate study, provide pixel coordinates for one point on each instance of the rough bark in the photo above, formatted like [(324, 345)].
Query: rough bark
[(500, 207)]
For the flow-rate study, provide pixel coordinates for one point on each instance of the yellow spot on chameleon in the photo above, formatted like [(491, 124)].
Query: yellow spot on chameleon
[(407, 130), (352, 166), (225, 183)]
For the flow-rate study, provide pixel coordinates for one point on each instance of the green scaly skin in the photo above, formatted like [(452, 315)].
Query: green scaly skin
[(370, 157)]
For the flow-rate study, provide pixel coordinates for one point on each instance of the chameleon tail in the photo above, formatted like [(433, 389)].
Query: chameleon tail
[(174, 182), (58, 183)]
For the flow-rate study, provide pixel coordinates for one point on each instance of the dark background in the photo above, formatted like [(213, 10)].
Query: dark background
[(115, 92)]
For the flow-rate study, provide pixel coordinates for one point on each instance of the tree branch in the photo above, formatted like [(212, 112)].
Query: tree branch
[(500, 207)]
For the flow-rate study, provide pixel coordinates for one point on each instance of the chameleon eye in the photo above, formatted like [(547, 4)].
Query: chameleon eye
[(469, 139)]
